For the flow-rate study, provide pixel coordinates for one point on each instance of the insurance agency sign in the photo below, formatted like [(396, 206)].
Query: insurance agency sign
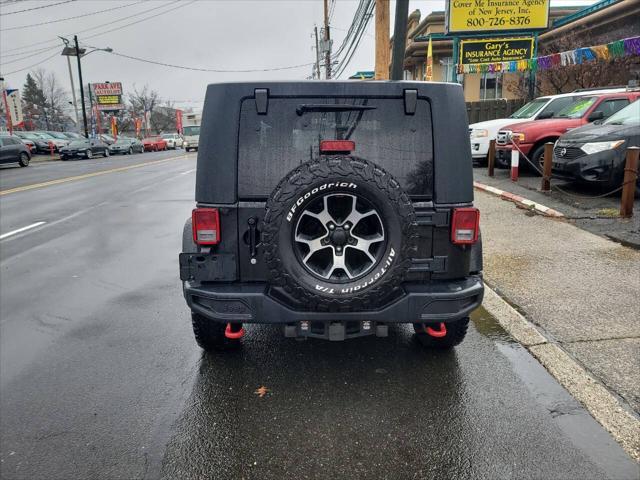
[(476, 51), (108, 96), (472, 16)]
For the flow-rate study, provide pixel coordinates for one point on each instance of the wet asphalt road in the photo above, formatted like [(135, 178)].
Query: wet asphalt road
[(100, 376)]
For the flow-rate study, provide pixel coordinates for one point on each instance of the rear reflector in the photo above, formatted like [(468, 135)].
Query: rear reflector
[(206, 226), (337, 146), (465, 225)]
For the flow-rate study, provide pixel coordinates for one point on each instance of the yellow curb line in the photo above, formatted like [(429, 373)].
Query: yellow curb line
[(87, 175)]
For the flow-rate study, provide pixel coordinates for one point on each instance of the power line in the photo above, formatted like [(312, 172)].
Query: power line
[(40, 52), (91, 28), (105, 32), (197, 69), (362, 17), (36, 8), (34, 65), (181, 5), (71, 18)]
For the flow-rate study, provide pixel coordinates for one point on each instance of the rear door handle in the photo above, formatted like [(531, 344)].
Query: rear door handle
[(252, 239)]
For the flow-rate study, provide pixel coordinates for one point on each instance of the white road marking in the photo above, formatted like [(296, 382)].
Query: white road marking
[(20, 230), (188, 171)]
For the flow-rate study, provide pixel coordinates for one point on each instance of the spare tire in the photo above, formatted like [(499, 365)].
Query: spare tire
[(338, 233)]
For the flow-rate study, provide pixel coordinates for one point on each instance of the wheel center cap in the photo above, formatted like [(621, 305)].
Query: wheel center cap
[(339, 237)]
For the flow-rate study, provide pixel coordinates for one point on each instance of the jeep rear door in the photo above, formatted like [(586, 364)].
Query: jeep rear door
[(271, 145)]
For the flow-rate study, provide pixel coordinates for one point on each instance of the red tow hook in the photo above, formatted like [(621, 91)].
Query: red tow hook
[(437, 333), (233, 334)]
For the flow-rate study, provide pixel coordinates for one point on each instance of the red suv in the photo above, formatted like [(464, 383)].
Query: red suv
[(533, 135)]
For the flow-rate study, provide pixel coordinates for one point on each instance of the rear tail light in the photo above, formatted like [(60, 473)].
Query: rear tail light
[(206, 226), (337, 146), (465, 225)]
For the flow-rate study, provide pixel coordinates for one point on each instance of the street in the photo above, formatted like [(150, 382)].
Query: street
[(101, 378)]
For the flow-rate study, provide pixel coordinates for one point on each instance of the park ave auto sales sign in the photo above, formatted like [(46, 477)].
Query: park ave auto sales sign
[(472, 16), (108, 96)]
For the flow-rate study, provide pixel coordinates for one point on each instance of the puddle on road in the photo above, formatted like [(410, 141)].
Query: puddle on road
[(488, 326)]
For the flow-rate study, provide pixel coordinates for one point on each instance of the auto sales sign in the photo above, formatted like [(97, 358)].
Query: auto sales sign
[(472, 16), (108, 96)]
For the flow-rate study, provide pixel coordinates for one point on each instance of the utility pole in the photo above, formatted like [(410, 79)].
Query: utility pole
[(73, 89), (84, 108), (399, 39), (327, 40), (315, 30), (382, 40)]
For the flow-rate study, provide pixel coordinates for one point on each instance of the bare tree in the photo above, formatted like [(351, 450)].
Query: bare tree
[(55, 101)]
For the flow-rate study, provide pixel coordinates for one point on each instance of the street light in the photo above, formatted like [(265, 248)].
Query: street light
[(76, 51)]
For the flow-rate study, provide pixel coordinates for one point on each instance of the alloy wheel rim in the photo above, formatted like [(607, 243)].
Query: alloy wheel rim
[(339, 237)]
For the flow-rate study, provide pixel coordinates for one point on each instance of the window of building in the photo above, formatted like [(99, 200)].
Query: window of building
[(491, 86)]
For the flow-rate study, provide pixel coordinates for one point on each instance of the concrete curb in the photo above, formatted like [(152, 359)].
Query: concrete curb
[(600, 402), (518, 200)]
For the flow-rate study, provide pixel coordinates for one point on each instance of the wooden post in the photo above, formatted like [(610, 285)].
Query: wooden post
[(546, 169), (383, 51), (629, 182), (491, 157), (327, 41)]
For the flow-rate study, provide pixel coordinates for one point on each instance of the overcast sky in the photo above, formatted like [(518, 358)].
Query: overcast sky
[(211, 34)]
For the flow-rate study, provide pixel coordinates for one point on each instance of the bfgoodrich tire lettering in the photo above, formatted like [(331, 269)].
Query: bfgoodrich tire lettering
[(330, 176)]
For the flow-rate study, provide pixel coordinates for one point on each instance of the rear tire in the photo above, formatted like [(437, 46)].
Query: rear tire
[(210, 335), (24, 159), (456, 331)]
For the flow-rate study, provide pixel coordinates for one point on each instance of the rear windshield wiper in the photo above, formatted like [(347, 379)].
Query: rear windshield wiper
[(329, 107)]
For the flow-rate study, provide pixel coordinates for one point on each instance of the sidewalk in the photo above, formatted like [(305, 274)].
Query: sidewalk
[(580, 206), (581, 290)]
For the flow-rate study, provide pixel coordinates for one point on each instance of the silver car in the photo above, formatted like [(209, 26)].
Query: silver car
[(174, 140)]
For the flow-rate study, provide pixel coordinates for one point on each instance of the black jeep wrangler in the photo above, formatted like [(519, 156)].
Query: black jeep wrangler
[(333, 209)]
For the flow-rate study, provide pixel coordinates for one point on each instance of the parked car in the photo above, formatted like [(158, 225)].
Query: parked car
[(106, 138), (173, 140), (12, 150), (72, 135), (333, 209), (41, 143), (154, 144), (541, 108), (596, 154), (56, 140), (533, 135), (85, 148), (126, 145), (29, 143)]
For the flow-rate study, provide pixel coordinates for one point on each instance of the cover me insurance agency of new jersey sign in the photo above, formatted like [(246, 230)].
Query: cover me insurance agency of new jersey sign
[(472, 16), (475, 51), (108, 96)]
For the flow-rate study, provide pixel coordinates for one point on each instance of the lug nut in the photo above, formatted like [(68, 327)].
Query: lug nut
[(339, 249), (331, 226), (347, 226)]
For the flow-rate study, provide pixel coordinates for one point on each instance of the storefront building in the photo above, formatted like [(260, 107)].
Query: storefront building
[(570, 27)]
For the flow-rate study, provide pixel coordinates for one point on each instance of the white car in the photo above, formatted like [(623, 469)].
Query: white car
[(173, 140), (482, 133)]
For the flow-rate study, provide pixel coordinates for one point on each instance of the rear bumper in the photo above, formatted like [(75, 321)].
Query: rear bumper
[(250, 303)]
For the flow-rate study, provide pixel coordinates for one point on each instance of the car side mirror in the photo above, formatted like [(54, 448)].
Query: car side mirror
[(597, 115), (544, 115)]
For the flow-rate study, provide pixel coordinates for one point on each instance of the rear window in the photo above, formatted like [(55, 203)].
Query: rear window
[(269, 146)]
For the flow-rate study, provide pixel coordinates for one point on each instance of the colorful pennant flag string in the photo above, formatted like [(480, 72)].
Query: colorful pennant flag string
[(609, 51)]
